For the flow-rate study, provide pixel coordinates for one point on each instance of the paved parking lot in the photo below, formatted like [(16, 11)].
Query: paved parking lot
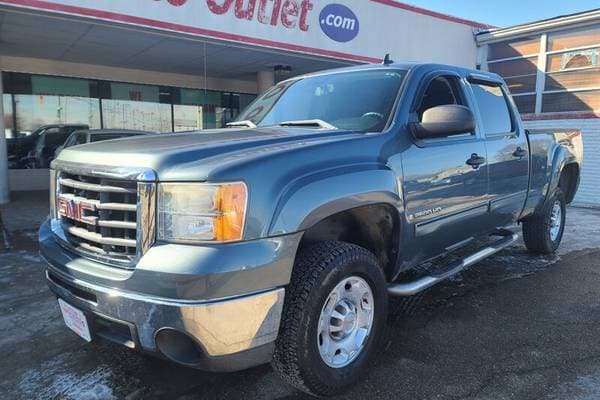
[(516, 326)]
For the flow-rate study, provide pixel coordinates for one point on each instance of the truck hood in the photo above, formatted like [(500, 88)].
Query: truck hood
[(193, 155)]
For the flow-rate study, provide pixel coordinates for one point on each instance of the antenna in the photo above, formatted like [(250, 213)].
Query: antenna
[(387, 60)]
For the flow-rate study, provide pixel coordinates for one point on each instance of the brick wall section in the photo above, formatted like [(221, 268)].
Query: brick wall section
[(589, 188)]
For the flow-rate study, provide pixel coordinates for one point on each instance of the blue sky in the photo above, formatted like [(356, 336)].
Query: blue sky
[(504, 13)]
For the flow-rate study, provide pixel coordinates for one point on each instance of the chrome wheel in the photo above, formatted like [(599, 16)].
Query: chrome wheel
[(555, 220), (345, 322)]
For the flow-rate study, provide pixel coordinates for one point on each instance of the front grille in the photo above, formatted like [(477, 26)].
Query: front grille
[(98, 215)]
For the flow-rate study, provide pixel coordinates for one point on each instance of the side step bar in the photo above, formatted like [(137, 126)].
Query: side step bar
[(414, 287)]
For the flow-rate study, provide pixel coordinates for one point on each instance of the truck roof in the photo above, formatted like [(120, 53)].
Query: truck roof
[(408, 65), (130, 132)]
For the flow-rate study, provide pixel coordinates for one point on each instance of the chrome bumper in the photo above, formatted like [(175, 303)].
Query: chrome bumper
[(220, 327)]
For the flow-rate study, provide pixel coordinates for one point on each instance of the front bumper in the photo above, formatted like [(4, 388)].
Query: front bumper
[(232, 332)]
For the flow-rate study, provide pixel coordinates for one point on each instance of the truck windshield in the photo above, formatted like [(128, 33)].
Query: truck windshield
[(357, 100)]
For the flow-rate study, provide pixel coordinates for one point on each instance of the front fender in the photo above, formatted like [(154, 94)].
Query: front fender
[(315, 197)]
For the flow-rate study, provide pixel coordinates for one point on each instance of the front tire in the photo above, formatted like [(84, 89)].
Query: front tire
[(543, 232), (333, 318)]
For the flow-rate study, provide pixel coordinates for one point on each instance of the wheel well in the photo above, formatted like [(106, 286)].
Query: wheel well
[(374, 227), (568, 181)]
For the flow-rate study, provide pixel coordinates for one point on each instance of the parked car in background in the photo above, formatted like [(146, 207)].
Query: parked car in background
[(21, 147), (96, 135)]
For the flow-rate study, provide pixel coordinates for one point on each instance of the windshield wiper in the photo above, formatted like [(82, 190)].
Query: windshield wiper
[(247, 123), (309, 122)]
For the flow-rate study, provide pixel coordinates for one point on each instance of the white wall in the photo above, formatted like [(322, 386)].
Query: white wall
[(589, 188), (383, 26)]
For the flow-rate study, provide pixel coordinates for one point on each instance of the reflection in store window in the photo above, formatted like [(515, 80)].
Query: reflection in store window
[(8, 117), (224, 116), (188, 118), (34, 111), (206, 109), (208, 116), (139, 115)]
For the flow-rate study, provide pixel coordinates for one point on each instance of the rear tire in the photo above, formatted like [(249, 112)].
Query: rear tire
[(333, 318), (542, 233)]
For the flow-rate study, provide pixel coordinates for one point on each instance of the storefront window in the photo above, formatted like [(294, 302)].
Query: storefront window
[(245, 100), (573, 71), (514, 48), (50, 85), (9, 130), (574, 38), (34, 111), (140, 115), (207, 109), (188, 118), (125, 91), (206, 101), (40, 112), (133, 106)]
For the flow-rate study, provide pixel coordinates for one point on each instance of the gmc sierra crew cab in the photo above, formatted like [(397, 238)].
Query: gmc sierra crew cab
[(280, 238)]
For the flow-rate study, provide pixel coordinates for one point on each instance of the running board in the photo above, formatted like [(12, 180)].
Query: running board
[(414, 287)]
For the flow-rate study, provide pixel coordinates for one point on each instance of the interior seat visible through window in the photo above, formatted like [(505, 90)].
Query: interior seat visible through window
[(441, 91)]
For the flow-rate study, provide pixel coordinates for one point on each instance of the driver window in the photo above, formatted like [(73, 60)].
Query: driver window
[(443, 90)]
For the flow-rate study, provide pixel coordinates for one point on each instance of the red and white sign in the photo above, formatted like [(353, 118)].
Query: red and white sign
[(386, 26)]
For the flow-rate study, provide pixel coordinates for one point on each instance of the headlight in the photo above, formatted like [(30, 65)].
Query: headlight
[(201, 212)]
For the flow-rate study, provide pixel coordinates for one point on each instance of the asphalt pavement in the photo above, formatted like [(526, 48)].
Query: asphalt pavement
[(516, 326)]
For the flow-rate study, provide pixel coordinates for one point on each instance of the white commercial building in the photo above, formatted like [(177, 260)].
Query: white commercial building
[(172, 65), (169, 65), (552, 68)]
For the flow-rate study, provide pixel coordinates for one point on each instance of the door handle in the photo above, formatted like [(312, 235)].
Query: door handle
[(475, 161), (519, 152)]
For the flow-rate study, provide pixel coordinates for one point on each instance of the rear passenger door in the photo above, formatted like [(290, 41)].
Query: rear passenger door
[(507, 149), (445, 191)]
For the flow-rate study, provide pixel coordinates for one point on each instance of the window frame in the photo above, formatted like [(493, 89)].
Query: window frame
[(466, 97), (508, 101)]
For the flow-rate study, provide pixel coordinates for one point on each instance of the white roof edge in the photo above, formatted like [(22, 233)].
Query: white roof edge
[(538, 26)]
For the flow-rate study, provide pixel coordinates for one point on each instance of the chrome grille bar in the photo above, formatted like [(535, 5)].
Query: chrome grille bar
[(94, 187), (117, 224), (98, 238), (117, 207), (104, 213)]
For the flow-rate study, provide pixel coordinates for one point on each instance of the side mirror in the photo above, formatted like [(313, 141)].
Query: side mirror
[(443, 121)]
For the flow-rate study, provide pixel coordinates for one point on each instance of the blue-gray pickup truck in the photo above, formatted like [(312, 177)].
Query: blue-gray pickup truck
[(280, 238)]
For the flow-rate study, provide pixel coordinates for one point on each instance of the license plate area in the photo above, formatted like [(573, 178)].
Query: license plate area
[(75, 320)]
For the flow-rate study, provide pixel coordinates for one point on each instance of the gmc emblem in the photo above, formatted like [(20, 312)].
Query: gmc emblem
[(75, 209)]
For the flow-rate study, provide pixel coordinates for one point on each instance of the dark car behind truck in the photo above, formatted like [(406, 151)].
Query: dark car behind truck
[(85, 136), (281, 238), (36, 150)]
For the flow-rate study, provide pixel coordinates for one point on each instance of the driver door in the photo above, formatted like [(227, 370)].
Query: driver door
[(445, 192)]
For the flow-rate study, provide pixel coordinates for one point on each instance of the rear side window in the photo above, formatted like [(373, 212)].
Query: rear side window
[(493, 109)]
